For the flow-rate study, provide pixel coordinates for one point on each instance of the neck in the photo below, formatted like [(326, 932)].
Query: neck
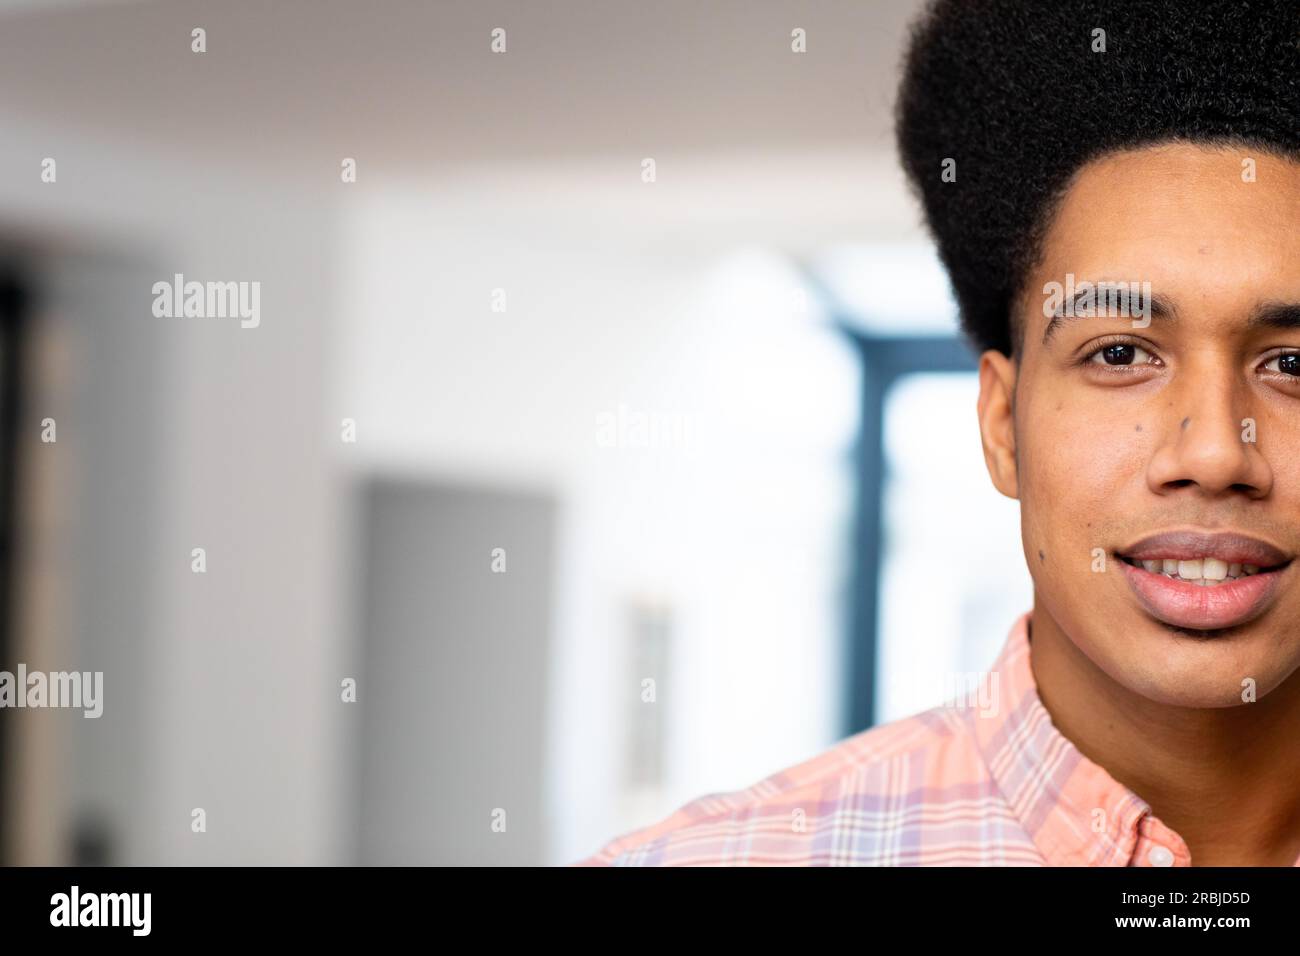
[(1223, 778)]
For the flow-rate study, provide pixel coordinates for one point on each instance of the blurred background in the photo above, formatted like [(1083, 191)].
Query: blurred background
[(609, 436)]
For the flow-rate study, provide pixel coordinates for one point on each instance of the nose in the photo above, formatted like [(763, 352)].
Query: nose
[(1209, 441)]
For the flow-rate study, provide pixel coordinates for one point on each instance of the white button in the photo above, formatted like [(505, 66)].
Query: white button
[(1160, 856)]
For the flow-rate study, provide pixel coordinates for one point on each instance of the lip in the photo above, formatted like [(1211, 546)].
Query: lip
[(1228, 546), (1191, 606), (1203, 608)]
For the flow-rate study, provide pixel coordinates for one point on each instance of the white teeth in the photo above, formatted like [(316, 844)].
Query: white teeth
[(1204, 572), (1214, 569)]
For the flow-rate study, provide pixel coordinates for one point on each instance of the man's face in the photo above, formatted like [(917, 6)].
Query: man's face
[(1173, 438)]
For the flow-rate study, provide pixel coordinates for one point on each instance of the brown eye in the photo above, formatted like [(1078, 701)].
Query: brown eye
[(1288, 363), (1122, 353)]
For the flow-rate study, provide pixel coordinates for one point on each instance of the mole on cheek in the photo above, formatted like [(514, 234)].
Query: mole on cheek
[(1137, 428), (1186, 422), (1041, 556)]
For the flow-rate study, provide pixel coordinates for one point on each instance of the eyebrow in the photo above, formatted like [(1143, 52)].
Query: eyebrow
[(1275, 315), (1119, 293), (1269, 315)]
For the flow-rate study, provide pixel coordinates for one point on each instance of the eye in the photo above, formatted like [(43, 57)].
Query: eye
[(1126, 353), (1287, 363)]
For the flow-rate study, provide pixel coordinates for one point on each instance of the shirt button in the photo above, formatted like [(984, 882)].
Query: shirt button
[(1160, 856)]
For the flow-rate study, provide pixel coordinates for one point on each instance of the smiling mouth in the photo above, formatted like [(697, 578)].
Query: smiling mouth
[(1204, 582), (1202, 572)]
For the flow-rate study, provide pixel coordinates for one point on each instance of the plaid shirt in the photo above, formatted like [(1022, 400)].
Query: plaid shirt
[(989, 785)]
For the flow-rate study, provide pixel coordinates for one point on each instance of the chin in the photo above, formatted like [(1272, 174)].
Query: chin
[(1186, 669), (1200, 695)]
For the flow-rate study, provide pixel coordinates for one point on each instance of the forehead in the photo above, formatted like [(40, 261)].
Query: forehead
[(1202, 224)]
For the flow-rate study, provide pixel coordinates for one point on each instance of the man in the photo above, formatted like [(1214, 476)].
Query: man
[(1115, 191)]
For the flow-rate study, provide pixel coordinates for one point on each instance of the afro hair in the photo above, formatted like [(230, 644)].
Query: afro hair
[(1021, 94)]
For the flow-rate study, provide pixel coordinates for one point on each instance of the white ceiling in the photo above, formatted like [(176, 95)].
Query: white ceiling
[(413, 84)]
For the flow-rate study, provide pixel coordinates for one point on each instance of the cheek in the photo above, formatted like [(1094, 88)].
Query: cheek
[(1277, 439), (1077, 465)]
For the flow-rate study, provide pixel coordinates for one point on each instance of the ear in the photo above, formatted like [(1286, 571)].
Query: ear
[(997, 420)]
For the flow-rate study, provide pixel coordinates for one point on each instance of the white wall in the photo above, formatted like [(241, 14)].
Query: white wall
[(239, 666), (668, 300), (378, 308)]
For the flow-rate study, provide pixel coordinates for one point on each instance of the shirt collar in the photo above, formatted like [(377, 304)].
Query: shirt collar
[(1076, 813)]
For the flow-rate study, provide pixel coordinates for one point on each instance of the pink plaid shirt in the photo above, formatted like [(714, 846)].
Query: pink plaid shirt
[(987, 784)]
